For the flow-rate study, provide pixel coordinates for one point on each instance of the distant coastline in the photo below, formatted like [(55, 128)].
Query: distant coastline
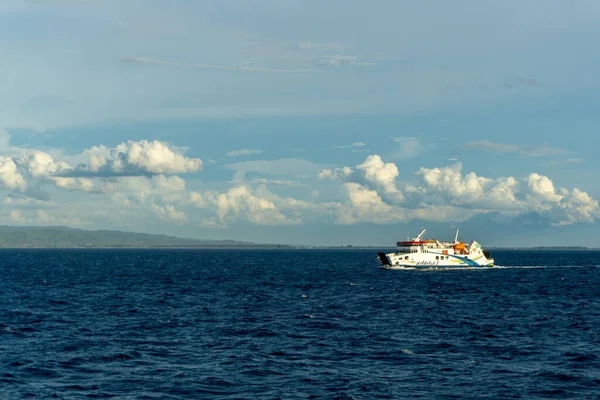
[(269, 247), (60, 237), (157, 247)]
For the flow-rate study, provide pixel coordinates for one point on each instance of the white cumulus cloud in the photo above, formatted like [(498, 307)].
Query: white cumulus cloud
[(469, 190), (373, 173), (74, 184), (373, 195), (542, 188), (138, 158), (10, 177), (578, 206), (364, 205), (169, 213), (241, 203), (40, 164)]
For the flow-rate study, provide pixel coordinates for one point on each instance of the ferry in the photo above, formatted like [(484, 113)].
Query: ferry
[(421, 253)]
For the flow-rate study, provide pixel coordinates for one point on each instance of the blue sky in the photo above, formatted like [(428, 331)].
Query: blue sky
[(302, 121)]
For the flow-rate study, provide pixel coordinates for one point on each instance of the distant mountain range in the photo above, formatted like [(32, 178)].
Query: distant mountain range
[(59, 237), (492, 230)]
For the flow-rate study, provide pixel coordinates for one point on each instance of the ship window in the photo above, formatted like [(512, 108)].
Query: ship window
[(406, 258), (437, 257)]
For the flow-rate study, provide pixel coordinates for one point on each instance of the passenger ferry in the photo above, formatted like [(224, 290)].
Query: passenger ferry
[(433, 254)]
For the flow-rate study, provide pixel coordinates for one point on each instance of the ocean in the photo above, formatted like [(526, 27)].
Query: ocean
[(296, 324)]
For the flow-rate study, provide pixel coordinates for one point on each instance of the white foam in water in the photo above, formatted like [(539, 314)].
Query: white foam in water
[(540, 266), (486, 268), (439, 269)]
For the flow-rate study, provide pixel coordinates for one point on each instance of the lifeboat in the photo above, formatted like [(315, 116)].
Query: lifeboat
[(460, 248)]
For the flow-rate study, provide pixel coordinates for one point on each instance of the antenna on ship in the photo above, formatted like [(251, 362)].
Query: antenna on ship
[(456, 238)]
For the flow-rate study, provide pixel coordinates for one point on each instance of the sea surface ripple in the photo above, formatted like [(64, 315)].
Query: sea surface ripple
[(295, 324)]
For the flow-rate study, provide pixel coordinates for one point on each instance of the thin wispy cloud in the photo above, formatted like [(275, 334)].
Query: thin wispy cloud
[(340, 60), (276, 182), (243, 152), (292, 167), (493, 85), (402, 138), (308, 45), (350, 146), (305, 54), (567, 161), (157, 61), (527, 151), (408, 147), (529, 82)]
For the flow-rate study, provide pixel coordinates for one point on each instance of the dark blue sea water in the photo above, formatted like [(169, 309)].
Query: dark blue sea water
[(295, 324)]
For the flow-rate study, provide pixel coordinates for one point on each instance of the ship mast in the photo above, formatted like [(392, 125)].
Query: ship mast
[(456, 238)]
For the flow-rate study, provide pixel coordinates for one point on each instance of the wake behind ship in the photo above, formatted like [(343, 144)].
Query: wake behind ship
[(432, 253)]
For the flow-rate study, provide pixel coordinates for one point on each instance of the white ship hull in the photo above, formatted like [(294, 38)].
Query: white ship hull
[(433, 254), (427, 261)]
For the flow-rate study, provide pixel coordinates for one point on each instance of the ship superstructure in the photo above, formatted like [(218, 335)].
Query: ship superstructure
[(432, 253)]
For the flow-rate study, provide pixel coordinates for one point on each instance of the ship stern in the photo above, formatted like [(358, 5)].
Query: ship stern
[(385, 261)]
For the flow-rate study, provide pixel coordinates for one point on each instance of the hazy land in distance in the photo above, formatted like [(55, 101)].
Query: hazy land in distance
[(64, 237)]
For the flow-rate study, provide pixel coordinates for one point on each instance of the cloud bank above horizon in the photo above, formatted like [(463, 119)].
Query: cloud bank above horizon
[(155, 180)]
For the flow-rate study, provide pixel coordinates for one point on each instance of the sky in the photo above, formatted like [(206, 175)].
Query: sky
[(303, 122)]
